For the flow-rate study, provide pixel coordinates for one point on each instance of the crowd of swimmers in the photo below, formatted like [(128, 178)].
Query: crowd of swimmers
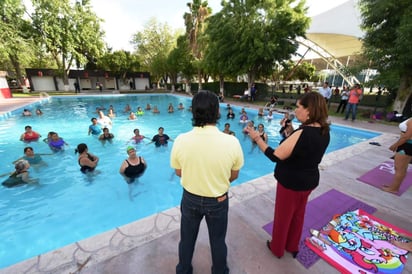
[(100, 127)]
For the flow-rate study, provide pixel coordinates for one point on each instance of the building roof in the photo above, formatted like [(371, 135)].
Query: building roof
[(338, 30)]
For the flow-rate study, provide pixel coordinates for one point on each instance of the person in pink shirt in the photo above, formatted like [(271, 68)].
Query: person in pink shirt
[(353, 101)]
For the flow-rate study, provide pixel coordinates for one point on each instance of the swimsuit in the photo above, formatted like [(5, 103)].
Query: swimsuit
[(160, 140), (138, 139), (13, 180), (33, 136), (36, 159), (136, 171), (85, 169), (56, 145)]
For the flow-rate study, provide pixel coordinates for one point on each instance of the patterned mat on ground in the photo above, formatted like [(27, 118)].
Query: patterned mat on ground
[(357, 242), (319, 211), (383, 174)]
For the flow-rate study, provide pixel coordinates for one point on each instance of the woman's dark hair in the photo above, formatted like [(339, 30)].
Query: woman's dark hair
[(80, 148), (318, 111), (205, 108), (27, 148)]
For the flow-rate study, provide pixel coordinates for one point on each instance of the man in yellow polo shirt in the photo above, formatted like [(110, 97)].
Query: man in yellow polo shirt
[(207, 160)]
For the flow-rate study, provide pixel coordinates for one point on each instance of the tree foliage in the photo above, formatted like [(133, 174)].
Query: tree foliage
[(153, 45), (388, 27), (16, 47), (252, 37), (195, 27), (120, 62), (69, 32)]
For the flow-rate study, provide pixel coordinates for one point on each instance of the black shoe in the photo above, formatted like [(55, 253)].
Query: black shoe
[(295, 254), (268, 245)]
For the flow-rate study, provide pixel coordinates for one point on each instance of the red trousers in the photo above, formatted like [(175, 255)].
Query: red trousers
[(290, 206)]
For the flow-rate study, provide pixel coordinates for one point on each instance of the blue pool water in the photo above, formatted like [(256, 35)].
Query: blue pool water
[(68, 206)]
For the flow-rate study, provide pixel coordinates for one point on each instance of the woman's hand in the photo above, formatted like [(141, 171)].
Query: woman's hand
[(393, 147)]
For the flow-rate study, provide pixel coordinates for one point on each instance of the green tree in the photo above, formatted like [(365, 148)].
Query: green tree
[(301, 71), (195, 27), (69, 32), (256, 35), (180, 62), (153, 45), (15, 36), (388, 32), (120, 62)]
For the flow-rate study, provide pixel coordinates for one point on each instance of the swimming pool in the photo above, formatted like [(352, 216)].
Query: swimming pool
[(69, 206)]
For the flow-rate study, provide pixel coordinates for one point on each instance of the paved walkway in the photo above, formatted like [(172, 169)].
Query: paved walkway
[(150, 245)]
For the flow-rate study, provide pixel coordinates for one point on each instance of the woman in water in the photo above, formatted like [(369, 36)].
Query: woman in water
[(137, 138), (133, 167), (20, 176), (29, 135), (87, 161), (34, 159), (55, 142), (106, 135)]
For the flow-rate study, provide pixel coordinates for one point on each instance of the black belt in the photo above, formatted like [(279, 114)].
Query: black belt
[(220, 198)]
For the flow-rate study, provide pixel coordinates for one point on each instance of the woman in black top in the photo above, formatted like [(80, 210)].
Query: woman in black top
[(133, 167), (297, 159), (87, 161)]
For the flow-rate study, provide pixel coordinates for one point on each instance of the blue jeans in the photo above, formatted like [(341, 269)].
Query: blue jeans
[(193, 209), (351, 108)]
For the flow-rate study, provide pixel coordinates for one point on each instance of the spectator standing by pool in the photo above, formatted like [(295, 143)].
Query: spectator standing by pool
[(353, 101), (344, 96), (325, 91), (207, 160), (29, 135), (253, 92), (160, 139), (94, 128), (296, 171), (87, 161)]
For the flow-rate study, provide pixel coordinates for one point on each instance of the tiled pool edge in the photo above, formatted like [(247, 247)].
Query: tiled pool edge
[(121, 239)]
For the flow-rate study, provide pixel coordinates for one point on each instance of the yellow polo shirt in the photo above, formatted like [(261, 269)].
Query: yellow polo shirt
[(206, 157)]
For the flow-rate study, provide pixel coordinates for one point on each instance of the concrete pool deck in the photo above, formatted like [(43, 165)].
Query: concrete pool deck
[(150, 245)]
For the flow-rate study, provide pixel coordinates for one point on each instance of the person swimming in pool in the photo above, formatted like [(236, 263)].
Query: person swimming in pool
[(106, 135), (137, 138), (87, 161), (29, 135), (55, 142), (160, 139), (34, 159), (133, 167), (94, 128), (104, 121), (20, 176)]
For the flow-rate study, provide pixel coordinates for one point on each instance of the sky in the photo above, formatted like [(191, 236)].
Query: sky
[(123, 18)]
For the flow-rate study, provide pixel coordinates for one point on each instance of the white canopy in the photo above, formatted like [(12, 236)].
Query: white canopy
[(338, 30)]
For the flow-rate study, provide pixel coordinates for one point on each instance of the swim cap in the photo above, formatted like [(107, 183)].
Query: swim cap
[(130, 148)]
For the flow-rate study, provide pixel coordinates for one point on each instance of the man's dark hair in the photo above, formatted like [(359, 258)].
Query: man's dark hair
[(205, 108)]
